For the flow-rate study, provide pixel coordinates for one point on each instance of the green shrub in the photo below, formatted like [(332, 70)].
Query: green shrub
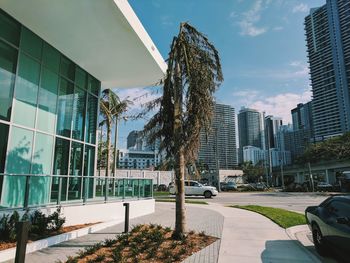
[(43, 224), (8, 227), (55, 220)]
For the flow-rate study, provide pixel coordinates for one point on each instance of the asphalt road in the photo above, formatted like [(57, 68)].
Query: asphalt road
[(291, 201)]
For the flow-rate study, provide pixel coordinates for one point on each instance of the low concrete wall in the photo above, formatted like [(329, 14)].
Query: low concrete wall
[(91, 213)]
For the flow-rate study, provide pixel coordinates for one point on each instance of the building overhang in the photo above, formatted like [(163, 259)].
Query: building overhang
[(104, 37)]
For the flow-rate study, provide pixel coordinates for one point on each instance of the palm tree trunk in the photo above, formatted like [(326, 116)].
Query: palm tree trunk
[(180, 218), (115, 154), (108, 163)]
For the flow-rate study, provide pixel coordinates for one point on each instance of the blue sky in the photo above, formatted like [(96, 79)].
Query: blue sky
[(261, 44)]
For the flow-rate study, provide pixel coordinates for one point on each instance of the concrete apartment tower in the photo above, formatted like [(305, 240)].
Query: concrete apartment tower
[(328, 47), (249, 130), (220, 146)]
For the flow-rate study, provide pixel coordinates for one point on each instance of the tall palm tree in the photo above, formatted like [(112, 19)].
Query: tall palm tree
[(186, 107), (111, 109)]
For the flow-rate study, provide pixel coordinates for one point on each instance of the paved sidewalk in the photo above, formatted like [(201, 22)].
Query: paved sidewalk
[(245, 237), (303, 235), (250, 237), (198, 219)]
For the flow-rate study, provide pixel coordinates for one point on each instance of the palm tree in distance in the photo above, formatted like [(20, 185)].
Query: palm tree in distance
[(186, 107), (111, 109)]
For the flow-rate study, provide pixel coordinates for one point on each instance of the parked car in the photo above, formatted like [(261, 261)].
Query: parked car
[(258, 186), (195, 188), (162, 188), (330, 226), (229, 186), (323, 186)]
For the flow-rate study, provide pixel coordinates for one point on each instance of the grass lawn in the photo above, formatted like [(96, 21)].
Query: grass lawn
[(281, 217), (186, 201), (161, 193)]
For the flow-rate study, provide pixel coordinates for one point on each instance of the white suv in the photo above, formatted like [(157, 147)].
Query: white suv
[(195, 188)]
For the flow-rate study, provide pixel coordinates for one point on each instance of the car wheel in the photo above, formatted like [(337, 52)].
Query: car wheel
[(319, 241), (207, 194)]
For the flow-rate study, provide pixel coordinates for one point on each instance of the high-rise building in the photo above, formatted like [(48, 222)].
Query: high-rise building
[(249, 130), (132, 138), (272, 126), (302, 117), (328, 46), (219, 147)]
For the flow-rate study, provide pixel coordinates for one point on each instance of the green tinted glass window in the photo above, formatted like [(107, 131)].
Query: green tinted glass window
[(76, 161), (80, 78), (4, 129), (8, 62), (61, 162), (67, 68), (89, 164), (31, 43), (26, 91), (18, 162), (79, 113), (65, 108), (51, 58), (94, 85), (91, 120), (41, 164), (9, 29), (42, 158), (47, 101)]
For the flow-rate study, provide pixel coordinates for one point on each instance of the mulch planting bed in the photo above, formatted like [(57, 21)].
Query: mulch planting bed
[(145, 243)]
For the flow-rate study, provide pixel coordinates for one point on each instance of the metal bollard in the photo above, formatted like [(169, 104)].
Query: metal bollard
[(126, 224), (22, 229)]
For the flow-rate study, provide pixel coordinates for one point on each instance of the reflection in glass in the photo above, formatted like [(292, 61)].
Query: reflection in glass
[(74, 186), (65, 107), (89, 164), (61, 162), (41, 164), (80, 77), (47, 101), (67, 68), (26, 91), (8, 61), (18, 162), (91, 119), (94, 85), (4, 129), (79, 113)]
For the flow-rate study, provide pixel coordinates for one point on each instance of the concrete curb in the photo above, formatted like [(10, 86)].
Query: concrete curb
[(292, 233), (10, 253)]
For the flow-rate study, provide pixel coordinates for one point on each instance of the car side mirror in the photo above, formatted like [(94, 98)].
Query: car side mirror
[(343, 220)]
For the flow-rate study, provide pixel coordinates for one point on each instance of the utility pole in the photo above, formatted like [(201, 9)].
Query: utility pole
[(311, 178), (217, 158), (282, 175)]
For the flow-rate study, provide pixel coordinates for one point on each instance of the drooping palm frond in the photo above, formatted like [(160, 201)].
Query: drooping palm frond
[(200, 73)]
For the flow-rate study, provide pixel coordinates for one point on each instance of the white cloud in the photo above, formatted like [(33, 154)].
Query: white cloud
[(166, 20), (251, 18), (281, 104), (300, 8)]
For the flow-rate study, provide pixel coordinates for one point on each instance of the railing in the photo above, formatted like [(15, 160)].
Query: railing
[(28, 190)]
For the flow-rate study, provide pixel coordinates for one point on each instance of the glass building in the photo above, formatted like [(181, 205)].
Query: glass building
[(48, 119)]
